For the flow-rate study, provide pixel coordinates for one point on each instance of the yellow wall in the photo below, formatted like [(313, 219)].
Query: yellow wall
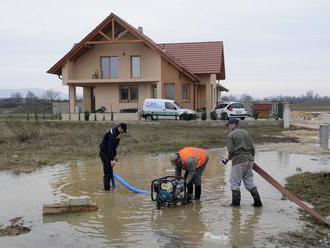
[(169, 74), (153, 68), (209, 80), (89, 62), (108, 96)]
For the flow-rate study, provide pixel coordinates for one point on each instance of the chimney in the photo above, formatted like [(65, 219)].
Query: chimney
[(140, 29)]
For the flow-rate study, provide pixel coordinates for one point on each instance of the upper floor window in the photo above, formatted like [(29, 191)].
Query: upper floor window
[(110, 67), (135, 66)]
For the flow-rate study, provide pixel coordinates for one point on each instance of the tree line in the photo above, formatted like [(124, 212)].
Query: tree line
[(308, 97), (48, 96)]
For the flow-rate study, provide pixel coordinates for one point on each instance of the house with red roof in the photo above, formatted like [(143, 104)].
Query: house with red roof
[(118, 67)]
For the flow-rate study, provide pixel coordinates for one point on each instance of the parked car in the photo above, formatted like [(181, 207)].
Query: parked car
[(165, 109), (230, 109)]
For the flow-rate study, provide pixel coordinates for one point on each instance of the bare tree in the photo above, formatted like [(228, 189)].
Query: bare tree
[(16, 97), (51, 95), (245, 98), (30, 97)]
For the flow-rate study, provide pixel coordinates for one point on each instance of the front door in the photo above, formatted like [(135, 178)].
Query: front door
[(93, 100)]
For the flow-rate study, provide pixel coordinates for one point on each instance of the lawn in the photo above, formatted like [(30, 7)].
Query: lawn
[(27, 145)]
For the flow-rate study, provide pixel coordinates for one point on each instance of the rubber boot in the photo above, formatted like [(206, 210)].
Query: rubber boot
[(236, 198), (190, 190), (198, 191), (256, 197)]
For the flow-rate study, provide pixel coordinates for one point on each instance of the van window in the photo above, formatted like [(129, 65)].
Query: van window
[(169, 105), (178, 105)]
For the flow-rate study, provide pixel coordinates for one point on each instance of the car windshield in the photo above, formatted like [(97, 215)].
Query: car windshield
[(237, 105), (178, 105), (221, 106)]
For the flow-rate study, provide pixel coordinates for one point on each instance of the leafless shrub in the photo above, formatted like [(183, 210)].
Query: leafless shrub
[(23, 130), (2, 132)]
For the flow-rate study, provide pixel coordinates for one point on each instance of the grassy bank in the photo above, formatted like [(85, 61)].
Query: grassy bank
[(313, 188), (27, 145), (310, 107)]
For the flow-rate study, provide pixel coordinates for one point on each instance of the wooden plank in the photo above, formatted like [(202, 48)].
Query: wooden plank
[(290, 196), (112, 42), (121, 34), (62, 208), (113, 28), (104, 35)]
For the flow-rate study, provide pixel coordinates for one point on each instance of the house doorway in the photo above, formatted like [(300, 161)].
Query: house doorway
[(93, 99)]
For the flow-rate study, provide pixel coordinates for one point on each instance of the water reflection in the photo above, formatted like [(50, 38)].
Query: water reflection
[(242, 230), (125, 219), (185, 228)]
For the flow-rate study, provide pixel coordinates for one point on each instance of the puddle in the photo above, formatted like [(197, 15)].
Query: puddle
[(125, 219)]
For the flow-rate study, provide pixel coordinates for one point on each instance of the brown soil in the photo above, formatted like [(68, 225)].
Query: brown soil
[(15, 228)]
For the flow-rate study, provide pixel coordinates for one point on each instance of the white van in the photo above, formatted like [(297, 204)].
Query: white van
[(165, 109)]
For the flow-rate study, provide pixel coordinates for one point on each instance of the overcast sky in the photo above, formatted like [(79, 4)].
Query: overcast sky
[(271, 47)]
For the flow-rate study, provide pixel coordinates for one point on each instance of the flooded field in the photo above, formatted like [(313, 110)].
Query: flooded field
[(125, 219)]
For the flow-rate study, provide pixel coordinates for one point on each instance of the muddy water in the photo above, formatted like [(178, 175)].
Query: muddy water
[(125, 219)]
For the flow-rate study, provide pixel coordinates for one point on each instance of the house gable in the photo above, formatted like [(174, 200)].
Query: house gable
[(114, 30)]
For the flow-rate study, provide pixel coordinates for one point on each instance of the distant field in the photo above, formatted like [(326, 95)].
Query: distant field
[(309, 107), (23, 108)]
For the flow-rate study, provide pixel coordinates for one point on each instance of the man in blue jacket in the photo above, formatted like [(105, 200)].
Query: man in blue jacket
[(108, 153)]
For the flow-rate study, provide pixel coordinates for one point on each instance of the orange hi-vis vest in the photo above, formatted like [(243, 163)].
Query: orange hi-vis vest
[(198, 154)]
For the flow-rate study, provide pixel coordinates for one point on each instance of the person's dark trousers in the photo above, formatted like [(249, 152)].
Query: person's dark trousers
[(190, 190), (198, 191), (108, 171)]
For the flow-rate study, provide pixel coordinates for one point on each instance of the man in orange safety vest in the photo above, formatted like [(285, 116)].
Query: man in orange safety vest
[(193, 161)]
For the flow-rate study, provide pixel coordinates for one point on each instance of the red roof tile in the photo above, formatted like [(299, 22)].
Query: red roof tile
[(199, 57)]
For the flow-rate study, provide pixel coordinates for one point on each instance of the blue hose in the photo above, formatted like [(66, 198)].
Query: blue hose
[(128, 186)]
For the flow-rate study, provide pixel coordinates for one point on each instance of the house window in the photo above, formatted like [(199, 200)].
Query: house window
[(170, 91), (110, 67), (114, 67), (128, 93), (185, 92), (135, 66), (153, 91)]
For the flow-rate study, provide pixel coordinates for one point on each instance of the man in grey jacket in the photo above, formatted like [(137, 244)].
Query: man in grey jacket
[(241, 152)]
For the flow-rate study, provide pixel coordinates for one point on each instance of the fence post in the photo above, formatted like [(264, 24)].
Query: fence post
[(324, 135), (44, 116), (35, 116), (27, 117)]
